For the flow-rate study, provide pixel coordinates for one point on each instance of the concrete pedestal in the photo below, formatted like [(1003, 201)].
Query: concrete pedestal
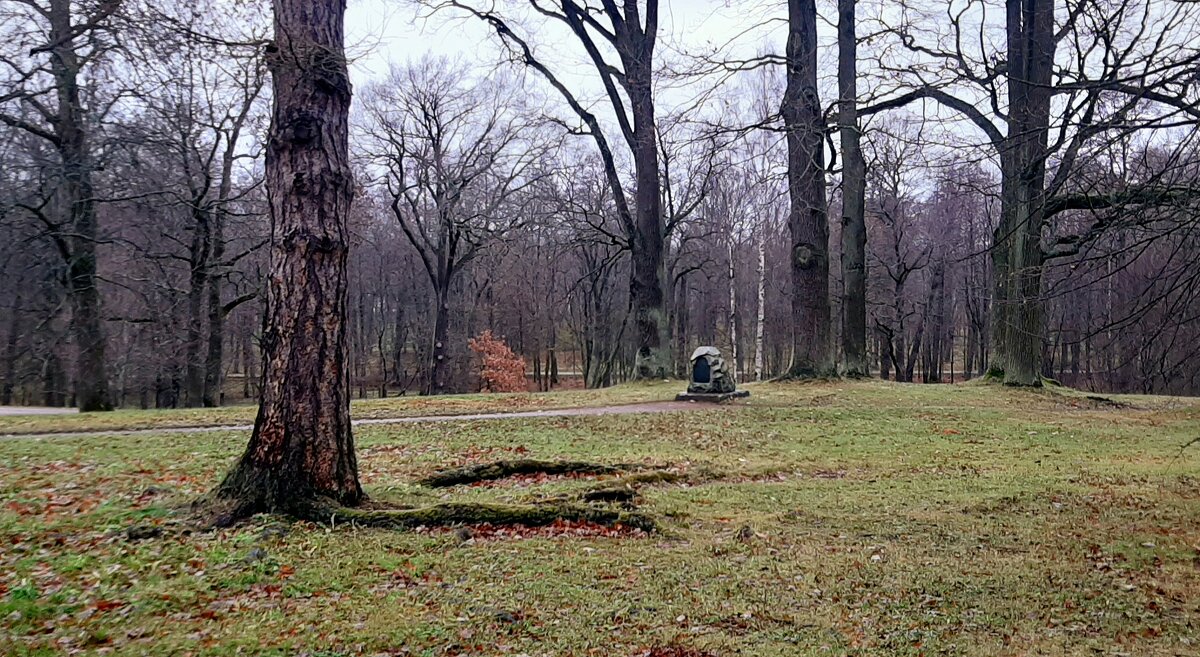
[(714, 397)]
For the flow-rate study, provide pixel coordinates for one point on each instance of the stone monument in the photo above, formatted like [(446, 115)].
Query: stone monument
[(709, 380)]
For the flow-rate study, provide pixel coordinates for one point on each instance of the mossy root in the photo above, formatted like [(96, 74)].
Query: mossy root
[(510, 468), (474, 513)]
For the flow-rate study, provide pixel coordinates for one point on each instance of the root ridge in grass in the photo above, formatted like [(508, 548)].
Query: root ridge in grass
[(451, 514), (611, 504), (511, 468), (217, 513)]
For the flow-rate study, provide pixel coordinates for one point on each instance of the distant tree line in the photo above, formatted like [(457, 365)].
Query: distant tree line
[(897, 198)]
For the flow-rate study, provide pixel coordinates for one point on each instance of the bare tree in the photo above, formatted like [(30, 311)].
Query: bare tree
[(629, 34), (459, 154), (898, 253), (196, 129), (1115, 79), (57, 42)]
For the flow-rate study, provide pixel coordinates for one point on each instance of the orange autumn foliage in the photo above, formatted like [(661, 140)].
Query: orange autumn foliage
[(501, 369)]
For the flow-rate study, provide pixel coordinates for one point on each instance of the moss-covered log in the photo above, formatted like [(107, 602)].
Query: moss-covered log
[(472, 513), (512, 468)]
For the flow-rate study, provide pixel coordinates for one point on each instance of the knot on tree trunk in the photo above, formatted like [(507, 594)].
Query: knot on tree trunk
[(329, 72), (805, 256), (301, 127)]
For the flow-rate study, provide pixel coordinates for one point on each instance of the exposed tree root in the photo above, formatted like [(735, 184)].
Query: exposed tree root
[(222, 510), (216, 511), (625, 489), (1107, 402), (503, 469), (643, 478), (610, 495), (474, 513), (807, 375)]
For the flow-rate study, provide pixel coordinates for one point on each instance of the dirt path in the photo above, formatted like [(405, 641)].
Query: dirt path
[(621, 409)]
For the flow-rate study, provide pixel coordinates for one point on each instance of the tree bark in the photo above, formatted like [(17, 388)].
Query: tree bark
[(761, 320), (77, 204), (854, 185), (807, 218), (193, 392), (11, 353), (1017, 251), (215, 353), (646, 281), (301, 450), (439, 361), (735, 353)]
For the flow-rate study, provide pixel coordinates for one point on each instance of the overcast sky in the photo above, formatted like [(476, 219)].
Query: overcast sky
[(383, 31)]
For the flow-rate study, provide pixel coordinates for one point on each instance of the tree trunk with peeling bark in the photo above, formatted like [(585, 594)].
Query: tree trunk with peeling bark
[(301, 453), (808, 220)]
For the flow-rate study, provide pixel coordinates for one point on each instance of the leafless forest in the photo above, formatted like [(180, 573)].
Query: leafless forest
[(919, 191)]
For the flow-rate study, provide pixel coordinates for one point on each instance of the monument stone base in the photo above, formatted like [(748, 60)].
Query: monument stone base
[(714, 397)]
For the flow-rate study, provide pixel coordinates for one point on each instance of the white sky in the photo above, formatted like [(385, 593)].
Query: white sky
[(398, 31)]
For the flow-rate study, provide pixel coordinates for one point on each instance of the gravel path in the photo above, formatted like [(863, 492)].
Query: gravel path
[(622, 409)]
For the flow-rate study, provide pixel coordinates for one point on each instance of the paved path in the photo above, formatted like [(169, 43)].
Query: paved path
[(623, 409), (35, 410)]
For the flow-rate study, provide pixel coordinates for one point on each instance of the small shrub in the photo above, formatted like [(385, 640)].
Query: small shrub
[(501, 370)]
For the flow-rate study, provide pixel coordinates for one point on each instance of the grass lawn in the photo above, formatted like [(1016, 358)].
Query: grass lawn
[(851, 518)]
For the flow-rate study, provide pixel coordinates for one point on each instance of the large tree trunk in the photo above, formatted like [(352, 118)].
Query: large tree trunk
[(646, 276), (760, 320), (998, 324), (215, 355), (854, 185), (9, 382), (935, 346), (193, 392), (214, 359), (76, 202), (439, 361), (732, 317), (301, 451), (91, 374), (807, 217), (1017, 252)]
